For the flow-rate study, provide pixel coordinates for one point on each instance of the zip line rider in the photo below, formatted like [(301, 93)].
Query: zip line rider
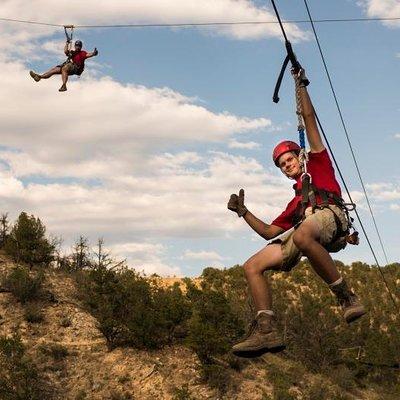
[(74, 65), (314, 227)]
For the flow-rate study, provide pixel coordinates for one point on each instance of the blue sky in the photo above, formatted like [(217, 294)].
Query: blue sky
[(145, 149)]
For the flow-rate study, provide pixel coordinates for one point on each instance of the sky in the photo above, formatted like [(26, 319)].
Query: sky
[(146, 147)]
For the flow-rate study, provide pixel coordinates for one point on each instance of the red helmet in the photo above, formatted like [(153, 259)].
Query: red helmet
[(283, 148)]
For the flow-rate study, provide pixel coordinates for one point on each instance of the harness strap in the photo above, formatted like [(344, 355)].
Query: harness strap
[(275, 97), (309, 192)]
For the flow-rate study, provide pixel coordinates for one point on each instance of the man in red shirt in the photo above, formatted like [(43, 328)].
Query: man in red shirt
[(74, 65), (311, 231)]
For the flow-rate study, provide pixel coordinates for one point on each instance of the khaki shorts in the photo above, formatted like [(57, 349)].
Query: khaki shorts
[(72, 68), (327, 225)]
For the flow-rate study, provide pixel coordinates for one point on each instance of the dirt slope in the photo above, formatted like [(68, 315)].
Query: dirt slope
[(69, 349)]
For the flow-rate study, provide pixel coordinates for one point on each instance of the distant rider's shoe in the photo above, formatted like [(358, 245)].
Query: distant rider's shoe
[(348, 301), (63, 88), (262, 337), (35, 76)]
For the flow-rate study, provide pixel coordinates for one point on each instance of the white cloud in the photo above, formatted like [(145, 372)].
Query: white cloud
[(123, 137), (118, 136), (151, 11), (163, 203), (234, 144), (382, 9), (383, 191), (395, 207), (110, 128), (397, 136), (147, 257), (202, 255)]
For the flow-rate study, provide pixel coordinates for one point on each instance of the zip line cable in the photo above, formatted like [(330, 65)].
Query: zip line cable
[(356, 164), (216, 23), (346, 131), (356, 212), (337, 166)]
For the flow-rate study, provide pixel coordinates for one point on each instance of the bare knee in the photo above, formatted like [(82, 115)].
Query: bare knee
[(302, 239), (250, 268)]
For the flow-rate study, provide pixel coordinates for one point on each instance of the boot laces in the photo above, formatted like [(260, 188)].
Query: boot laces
[(252, 328)]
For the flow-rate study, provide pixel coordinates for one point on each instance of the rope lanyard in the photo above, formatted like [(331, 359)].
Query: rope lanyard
[(303, 156)]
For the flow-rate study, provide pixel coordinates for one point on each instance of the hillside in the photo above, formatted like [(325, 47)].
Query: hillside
[(73, 358)]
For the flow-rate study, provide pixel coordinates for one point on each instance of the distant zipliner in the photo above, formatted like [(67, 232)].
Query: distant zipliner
[(74, 65)]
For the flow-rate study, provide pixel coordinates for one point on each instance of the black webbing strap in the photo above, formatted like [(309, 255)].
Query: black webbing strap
[(296, 67), (305, 189), (275, 97)]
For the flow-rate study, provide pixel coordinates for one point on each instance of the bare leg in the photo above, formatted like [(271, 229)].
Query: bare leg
[(306, 238), (270, 257), (50, 73), (64, 75), (263, 335)]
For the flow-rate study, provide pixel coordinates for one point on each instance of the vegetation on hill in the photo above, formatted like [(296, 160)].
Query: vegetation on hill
[(207, 316)]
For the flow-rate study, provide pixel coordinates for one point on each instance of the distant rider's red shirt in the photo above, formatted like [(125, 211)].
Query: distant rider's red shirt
[(79, 58), (320, 168)]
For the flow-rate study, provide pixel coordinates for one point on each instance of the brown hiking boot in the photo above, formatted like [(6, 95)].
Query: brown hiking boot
[(35, 76), (263, 337), (352, 308), (63, 88)]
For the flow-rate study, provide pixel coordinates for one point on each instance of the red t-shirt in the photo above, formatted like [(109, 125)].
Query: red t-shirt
[(320, 168), (79, 58)]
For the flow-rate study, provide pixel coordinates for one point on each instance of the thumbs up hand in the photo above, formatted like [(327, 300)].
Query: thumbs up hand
[(236, 203)]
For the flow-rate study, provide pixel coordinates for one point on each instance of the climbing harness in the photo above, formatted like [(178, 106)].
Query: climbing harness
[(310, 195)]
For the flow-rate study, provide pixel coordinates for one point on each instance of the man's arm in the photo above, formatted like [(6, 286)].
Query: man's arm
[(92, 53), (264, 230), (66, 48), (313, 135), (236, 204)]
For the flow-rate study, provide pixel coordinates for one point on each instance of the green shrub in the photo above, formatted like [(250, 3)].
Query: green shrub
[(133, 310), (57, 351), (23, 284), (19, 378), (213, 325), (216, 376), (81, 395), (321, 389), (343, 377), (33, 314), (182, 393), (115, 395), (65, 321), (212, 329), (27, 241), (281, 380)]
